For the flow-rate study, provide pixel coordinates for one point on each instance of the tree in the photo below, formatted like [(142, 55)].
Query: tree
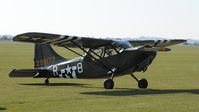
[(5, 37)]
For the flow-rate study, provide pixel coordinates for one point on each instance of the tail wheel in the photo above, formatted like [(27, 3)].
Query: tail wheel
[(143, 83), (108, 84), (46, 81)]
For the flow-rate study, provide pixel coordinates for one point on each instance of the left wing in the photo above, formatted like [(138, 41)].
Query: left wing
[(156, 43), (86, 42)]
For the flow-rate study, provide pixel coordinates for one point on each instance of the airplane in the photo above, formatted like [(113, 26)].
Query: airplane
[(102, 58)]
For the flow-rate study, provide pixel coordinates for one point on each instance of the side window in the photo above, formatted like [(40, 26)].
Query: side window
[(94, 53), (102, 52), (111, 52)]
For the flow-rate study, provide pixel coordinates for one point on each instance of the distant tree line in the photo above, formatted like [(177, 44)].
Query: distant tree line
[(193, 43), (6, 37)]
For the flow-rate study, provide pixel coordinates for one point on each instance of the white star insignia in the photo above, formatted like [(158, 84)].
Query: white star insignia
[(68, 69)]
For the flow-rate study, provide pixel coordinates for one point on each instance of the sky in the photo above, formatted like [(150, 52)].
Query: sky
[(102, 18)]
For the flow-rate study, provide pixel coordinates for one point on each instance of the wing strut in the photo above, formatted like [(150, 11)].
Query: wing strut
[(98, 62)]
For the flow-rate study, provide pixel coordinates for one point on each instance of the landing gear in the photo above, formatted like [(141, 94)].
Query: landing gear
[(143, 83), (46, 81), (108, 84)]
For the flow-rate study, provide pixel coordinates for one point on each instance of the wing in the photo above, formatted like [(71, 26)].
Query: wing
[(86, 42), (62, 40), (156, 43)]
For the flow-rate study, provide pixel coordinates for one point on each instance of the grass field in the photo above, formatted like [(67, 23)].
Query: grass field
[(173, 86)]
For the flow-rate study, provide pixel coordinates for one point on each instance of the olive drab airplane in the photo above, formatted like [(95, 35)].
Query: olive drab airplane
[(102, 58)]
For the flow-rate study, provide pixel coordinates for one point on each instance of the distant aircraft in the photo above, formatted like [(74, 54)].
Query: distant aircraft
[(103, 57)]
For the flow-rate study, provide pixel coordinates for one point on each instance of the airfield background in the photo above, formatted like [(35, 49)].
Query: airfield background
[(173, 85)]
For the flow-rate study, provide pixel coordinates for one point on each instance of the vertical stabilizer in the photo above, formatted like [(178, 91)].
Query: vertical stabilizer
[(45, 56)]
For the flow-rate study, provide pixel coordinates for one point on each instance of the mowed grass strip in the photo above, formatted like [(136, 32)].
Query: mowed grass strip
[(173, 85)]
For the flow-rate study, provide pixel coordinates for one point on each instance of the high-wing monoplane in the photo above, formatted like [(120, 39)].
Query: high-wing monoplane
[(102, 58)]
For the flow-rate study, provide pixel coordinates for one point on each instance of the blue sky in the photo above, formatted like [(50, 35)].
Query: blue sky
[(102, 18)]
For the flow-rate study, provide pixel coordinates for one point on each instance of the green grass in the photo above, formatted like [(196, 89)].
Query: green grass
[(173, 86)]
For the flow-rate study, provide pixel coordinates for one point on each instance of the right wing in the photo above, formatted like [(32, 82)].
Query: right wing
[(62, 40)]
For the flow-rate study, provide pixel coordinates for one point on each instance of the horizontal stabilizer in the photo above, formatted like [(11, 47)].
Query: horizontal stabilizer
[(35, 73)]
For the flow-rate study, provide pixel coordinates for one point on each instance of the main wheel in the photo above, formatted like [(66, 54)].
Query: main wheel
[(46, 81), (142, 83), (108, 84)]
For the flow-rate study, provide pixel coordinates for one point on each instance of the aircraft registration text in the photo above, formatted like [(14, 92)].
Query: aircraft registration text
[(69, 71), (44, 62)]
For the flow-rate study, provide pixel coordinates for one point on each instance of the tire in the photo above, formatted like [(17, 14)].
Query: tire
[(46, 81), (108, 84), (143, 83)]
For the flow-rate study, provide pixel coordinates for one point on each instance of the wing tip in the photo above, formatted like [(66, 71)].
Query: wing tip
[(11, 73)]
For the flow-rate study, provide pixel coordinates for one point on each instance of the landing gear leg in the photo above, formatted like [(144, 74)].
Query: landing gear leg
[(109, 83), (47, 81), (143, 83)]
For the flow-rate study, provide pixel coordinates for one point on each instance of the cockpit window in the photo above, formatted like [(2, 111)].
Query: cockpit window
[(103, 52)]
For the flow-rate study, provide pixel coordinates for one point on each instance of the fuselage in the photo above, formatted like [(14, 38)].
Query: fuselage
[(84, 67)]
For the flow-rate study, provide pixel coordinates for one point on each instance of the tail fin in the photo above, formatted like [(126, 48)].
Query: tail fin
[(45, 55)]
